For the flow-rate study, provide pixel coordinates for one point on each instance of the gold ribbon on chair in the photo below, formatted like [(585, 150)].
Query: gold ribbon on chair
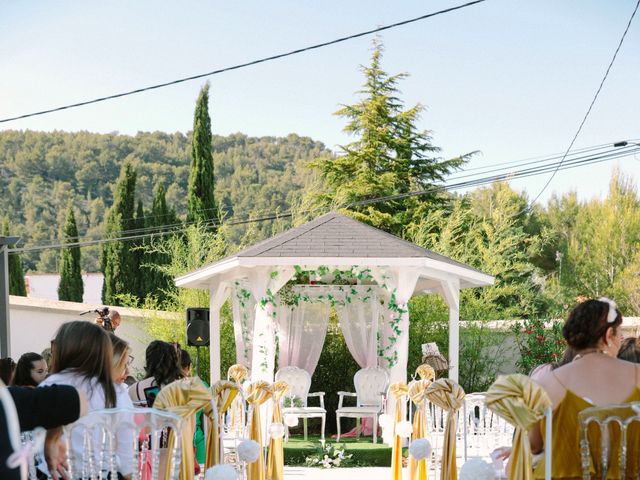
[(224, 392), (426, 372), (449, 396), (521, 402), (238, 373), (275, 457), (257, 393), (418, 395), (184, 398), (398, 390)]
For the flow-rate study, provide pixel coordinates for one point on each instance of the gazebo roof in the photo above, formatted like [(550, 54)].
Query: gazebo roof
[(335, 239)]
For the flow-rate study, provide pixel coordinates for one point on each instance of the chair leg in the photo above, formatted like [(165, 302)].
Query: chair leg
[(286, 433), (304, 424), (375, 429), (358, 428), (324, 418), (338, 422)]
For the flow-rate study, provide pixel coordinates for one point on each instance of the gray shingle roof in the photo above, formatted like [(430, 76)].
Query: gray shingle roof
[(335, 235)]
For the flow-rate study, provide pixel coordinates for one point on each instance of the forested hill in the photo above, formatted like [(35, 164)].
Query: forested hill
[(42, 172)]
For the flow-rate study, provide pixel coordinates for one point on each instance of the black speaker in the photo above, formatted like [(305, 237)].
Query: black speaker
[(198, 327)]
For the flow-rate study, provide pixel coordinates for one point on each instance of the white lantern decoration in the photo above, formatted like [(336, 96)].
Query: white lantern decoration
[(221, 472), (477, 469), (385, 420), (420, 449), (291, 421), (248, 451), (404, 429), (276, 430)]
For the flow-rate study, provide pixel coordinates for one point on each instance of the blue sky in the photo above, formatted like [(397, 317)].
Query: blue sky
[(511, 79)]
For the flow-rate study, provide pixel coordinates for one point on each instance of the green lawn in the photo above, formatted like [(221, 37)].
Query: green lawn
[(364, 452)]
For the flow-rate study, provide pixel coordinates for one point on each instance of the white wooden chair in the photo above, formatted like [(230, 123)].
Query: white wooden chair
[(483, 431), (614, 421), (371, 386), (299, 382), (102, 434)]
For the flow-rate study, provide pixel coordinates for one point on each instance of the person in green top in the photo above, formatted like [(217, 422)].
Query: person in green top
[(199, 442)]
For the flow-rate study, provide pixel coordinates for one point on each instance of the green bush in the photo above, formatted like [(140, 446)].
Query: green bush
[(539, 341)]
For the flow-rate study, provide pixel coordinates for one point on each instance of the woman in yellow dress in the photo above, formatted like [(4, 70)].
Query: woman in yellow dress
[(594, 378)]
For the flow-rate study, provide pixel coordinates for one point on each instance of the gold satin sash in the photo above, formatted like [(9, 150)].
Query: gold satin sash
[(521, 402), (275, 457), (238, 373), (449, 396), (258, 393), (398, 390), (224, 393), (184, 398), (426, 372), (418, 395)]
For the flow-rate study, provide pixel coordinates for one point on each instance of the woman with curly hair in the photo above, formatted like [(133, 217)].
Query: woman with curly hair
[(595, 377), (162, 367)]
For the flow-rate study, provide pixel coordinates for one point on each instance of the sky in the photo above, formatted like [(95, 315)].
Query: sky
[(512, 80)]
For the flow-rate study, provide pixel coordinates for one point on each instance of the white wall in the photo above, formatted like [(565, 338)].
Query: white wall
[(45, 285), (34, 322)]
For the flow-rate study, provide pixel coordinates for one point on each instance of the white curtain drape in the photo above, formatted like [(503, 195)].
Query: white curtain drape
[(358, 312), (302, 328), (243, 306)]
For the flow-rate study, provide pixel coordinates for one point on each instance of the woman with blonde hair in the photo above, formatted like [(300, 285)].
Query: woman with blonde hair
[(122, 359)]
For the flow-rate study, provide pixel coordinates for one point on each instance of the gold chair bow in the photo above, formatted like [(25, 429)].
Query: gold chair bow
[(449, 396), (184, 398), (238, 373), (398, 390), (224, 392), (521, 402), (257, 393), (426, 372), (418, 395), (275, 457)]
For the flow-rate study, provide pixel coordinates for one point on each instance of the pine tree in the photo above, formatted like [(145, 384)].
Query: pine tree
[(17, 285), (70, 287), (119, 264), (158, 282), (389, 156), (201, 206)]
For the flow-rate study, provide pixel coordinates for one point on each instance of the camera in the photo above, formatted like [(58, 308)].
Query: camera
[(106, 320)]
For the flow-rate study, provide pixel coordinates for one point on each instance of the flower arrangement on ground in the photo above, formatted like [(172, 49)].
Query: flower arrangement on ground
[(330, 456)]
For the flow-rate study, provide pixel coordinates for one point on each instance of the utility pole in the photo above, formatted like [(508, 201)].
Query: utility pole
[(4, 293)]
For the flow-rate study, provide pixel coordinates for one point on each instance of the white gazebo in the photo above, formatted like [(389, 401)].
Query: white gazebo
[(282, 290)]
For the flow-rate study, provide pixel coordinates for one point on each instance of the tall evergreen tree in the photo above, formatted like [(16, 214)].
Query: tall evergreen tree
[(119, 264), (158, 281), (389, 156), (200, 197), (140, 288), (17, 285), (70, 287)]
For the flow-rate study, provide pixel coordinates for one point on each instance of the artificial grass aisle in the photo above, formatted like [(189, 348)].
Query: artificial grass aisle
[(365, 453)]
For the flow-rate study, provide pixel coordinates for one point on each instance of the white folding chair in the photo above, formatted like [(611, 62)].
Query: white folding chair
[(299, 382), (95, 443)]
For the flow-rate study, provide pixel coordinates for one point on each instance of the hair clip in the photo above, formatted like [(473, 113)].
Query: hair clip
[(612, 314)]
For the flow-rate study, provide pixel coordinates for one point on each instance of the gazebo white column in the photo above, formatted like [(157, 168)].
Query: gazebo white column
[(218, 294), (265, 282), (451, 294)]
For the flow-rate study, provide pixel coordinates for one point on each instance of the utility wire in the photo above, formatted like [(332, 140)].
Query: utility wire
[(586, 115), (509, 175), (244, 65)]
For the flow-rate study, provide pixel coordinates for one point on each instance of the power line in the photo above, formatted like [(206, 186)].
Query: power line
[(584, 119), (509, 175), (244, 65)]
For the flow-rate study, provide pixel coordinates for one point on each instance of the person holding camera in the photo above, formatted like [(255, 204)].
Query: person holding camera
[(109, 320)]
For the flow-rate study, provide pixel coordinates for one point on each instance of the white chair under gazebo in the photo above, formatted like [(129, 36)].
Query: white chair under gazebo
[(289, 283)]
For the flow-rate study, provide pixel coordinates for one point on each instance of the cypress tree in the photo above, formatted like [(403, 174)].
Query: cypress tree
[(158, 281), (16, 275), (119, 264), (201, 205), (70, 287), (138, 252)]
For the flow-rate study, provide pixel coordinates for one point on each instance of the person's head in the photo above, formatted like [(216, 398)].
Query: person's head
[(594, 324), (162, 362), (85, 349), (31, 369), (185, 363), (121, 358), (46, 356), (630, 350), (114, 315), (7, 367)]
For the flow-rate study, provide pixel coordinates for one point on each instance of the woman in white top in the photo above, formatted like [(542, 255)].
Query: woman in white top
[(82, 357)]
